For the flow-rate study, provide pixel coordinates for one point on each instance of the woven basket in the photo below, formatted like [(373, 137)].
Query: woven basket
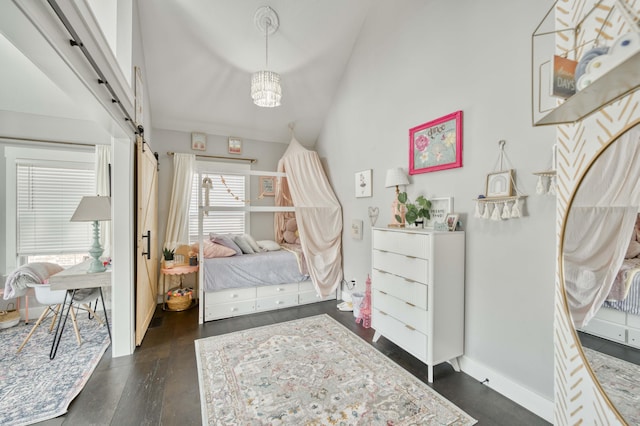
[(9, 318), (178, 302)]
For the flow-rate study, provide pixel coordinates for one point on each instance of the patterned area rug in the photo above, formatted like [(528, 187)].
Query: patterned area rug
[(620, 380), (311, 371), (34, 388)]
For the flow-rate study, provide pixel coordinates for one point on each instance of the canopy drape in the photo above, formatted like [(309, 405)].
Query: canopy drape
[(318, 214), (599, 225)]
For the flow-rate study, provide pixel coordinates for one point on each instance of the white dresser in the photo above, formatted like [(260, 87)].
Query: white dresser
[(418, 292)]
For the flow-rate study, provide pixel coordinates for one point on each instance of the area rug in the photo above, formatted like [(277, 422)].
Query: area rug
[(311, 371), (34, 388), (620, 380)]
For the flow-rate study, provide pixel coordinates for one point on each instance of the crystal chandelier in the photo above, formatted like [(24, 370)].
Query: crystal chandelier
[(265, 85)]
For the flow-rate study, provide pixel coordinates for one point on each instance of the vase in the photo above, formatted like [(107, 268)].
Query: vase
[(168, 264)]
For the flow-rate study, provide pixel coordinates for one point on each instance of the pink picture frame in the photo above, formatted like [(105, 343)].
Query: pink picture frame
[(436, 145)]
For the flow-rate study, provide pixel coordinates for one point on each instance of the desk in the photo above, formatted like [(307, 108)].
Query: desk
[(72, 279), (181, 271)]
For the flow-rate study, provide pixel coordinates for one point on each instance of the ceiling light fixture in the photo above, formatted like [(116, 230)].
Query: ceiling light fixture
[(265, 85)]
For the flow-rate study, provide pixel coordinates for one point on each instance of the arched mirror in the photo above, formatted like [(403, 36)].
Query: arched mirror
[(601, 269)]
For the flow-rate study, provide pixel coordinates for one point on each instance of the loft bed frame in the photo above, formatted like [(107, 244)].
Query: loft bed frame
[(243, 301)]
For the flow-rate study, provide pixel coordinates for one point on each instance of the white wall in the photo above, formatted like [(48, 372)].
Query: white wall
[(419, 60), (266, 153)]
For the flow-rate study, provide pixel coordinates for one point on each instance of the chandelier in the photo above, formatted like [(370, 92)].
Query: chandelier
[(265, 85)]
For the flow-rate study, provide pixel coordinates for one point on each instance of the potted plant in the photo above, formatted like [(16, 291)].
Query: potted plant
[(415, 212), (168, 257)]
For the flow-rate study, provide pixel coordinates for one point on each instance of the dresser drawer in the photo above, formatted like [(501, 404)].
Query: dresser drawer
[(633, 337), (402, 335), (231, 309), (404, 311), (407, 243), (401, 265), (274, 290), (312, 296), (229, 295), (607, 329), (400, 287), (277, 302)]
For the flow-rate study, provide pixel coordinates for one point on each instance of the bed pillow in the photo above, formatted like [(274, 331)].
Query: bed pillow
[(226, 241), (244, 245), (269, 245), (633, 250), (212, 250), (253, 243)]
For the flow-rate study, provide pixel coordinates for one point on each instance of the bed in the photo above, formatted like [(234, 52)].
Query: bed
[(249, 283), (619, 317)]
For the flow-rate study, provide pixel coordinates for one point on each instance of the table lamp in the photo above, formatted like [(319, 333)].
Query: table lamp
[(396, 177), (94, 209)]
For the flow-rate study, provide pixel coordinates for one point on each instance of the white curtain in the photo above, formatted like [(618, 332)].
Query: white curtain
[(177, 232), (318, 214), (103, 159), (599, 226)]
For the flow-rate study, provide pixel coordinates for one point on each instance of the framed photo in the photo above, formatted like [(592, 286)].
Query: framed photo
[(436, 145), (500, 184), (268, 186), (363, 184), (452, 221), (440, 208), (235, 145), (198, 141)]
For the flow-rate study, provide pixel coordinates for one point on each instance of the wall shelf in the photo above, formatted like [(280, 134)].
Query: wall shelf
[(547, 173), (610, 87), (499, 200)]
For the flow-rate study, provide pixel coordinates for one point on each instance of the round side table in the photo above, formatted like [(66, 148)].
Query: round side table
[(180, 271)]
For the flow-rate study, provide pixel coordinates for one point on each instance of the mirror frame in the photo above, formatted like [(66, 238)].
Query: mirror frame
[(560, 261)]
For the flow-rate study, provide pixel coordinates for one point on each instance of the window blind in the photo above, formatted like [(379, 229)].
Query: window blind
[(228, 190), (47, 195)]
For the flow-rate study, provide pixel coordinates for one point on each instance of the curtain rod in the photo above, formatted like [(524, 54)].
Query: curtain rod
[(218, 157), (19, 139)]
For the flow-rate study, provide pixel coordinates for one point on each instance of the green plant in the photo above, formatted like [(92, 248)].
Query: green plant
[(414, 211), (168, 254)]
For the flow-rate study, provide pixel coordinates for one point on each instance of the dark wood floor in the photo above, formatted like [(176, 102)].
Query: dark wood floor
[(158, 384), (608, 347)]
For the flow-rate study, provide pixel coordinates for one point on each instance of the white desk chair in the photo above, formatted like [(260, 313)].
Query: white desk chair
[(54, 299)]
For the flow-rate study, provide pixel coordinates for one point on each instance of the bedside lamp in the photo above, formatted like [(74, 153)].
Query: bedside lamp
[(94, 209), (396, 177)]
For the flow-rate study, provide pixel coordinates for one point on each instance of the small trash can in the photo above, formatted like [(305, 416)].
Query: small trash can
[(357, 299)]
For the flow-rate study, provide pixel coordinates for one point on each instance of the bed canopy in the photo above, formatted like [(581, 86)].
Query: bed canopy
[(318, 215), (599, 224)]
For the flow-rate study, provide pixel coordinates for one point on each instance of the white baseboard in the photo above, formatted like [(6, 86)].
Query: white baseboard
[(530, 400)]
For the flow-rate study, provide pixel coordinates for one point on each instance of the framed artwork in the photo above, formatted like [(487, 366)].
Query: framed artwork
[(500, 184), (139, 98), (235, 145), (268, 186), (452, 221), (198, 141), (436, 145), (363, 184), (440, 208)]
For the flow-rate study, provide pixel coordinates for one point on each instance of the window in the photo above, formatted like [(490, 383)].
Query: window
[(228, 193), (44, 187)]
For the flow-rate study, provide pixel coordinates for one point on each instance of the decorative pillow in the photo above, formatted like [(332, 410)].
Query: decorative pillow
[(226, 241), (244, 245), (254, 245), (290, 234), (633, 250), (269, 245), (212, 250)]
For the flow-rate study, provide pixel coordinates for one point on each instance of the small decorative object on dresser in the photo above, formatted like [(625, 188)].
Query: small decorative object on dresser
[(452, 221), (418, 293)]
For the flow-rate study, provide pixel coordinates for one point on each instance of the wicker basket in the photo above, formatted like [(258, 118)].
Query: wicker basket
[(9, 318), (179, 299)]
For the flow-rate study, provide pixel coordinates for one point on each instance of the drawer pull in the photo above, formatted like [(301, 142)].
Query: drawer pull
[(410, 257), (383, 292), (409, 280), (233, 296), (234, 309), (410, 304), (409, 327), (383, 313), (279, 289), (382, 272), (279, 302)]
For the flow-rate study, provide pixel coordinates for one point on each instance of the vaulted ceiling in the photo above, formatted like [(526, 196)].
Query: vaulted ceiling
[(199, 56)]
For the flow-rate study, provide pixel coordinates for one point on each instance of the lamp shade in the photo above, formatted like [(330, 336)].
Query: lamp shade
[(396, 177), (92, 208)]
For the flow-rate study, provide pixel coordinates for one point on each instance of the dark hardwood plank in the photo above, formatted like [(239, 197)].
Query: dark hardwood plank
[(158, 384)]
